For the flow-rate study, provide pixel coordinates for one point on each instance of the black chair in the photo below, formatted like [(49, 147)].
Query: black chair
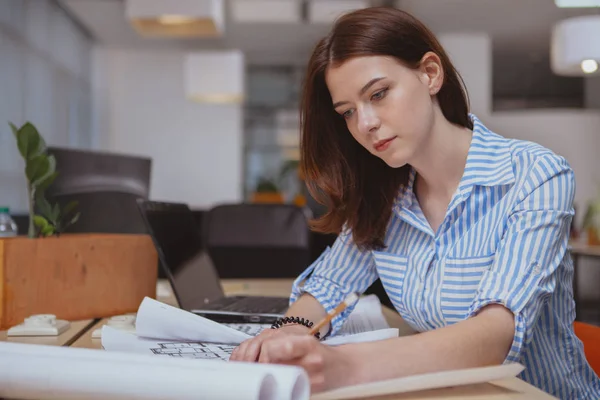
[(257, 240)]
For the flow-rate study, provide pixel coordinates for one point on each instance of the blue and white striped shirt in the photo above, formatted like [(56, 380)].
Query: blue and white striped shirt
[(503, 241)]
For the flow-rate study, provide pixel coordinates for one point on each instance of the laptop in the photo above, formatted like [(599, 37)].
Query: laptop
[(193, 277)]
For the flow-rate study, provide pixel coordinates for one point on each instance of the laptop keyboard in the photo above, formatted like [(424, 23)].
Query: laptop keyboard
[(254, 305)]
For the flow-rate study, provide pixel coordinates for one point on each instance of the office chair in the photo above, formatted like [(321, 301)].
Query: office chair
[(257, 240), (590, 336)]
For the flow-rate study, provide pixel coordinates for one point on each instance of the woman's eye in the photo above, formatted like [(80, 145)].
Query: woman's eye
[(347, 114), (379, 95)]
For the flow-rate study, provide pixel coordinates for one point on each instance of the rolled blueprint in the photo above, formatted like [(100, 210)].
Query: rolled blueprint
[(30, 371)]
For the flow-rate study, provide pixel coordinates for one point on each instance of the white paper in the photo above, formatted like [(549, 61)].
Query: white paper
[(157, 320), (48, 372), (367, 316), (336, 340), (116, 340), (248, 329), (423, 382), (289, 380), (363, 337)]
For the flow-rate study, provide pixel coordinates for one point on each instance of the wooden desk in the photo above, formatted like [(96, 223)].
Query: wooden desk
[(66, 338), (578, 250), (507, 389)]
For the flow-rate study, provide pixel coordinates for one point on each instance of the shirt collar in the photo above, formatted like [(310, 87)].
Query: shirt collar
[(489, 163)]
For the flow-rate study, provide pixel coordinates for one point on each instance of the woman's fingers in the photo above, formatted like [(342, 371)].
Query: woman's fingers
[(301, 351), (250, 349), (286, 348)]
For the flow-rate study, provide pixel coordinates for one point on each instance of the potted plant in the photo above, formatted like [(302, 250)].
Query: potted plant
[(40, 172), (73, 276), (291, 168), (267, 192), (591, 222)]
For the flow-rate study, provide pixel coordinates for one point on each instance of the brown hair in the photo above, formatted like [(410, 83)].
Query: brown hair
[(358, 188)]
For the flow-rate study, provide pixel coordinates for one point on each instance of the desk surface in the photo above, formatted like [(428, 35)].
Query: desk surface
[(583, 249), (76, 329), (508, 389)]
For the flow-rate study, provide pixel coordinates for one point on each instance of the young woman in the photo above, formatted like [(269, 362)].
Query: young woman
[(467, 230)]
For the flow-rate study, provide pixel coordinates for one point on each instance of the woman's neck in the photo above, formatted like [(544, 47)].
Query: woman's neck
[(440, 163)]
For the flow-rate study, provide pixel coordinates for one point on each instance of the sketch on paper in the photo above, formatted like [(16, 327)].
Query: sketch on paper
[(206, 351), (248, 329)]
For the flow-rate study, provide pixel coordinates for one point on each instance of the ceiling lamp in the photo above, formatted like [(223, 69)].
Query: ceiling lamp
[(327, 11), (266, 11), (575, 49), (215, 77), (577, 3), (177, 18)]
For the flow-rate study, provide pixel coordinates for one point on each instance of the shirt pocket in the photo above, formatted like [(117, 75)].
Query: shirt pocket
[(392, 270), (460, 283)]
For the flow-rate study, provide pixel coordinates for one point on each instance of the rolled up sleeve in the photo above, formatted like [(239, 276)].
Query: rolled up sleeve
[(525, 271), (339, 271)]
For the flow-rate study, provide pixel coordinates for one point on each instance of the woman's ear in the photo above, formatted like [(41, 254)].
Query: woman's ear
[(431, 69)]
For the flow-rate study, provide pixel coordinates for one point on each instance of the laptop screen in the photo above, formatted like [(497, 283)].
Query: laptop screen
[(177, 238)]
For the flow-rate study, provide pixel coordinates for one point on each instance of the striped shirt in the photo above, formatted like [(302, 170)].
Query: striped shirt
[(503, 241)]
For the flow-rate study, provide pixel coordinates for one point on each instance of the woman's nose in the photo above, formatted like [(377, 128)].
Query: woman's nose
[(368, 122)]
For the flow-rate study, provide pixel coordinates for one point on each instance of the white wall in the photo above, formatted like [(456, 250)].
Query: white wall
[(574, 134), (44, 79), (592, 92), (471, 54), (141, 109)]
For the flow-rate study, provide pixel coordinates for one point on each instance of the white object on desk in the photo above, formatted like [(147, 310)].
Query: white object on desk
[(42, 372), (124, 323), (40, 325), (163, 289)]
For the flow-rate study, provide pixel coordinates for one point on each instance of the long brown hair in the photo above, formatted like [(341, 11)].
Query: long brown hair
[(358, 188)]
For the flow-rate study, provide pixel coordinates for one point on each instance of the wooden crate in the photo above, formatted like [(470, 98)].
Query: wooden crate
[(76, 276)]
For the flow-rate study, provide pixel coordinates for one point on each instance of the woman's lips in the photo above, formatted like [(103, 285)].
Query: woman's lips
[(382, 145)]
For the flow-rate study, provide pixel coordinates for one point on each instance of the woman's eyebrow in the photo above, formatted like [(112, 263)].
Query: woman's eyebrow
[(362, 91)]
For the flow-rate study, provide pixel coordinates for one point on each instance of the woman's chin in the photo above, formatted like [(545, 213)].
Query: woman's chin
[(394, 160)]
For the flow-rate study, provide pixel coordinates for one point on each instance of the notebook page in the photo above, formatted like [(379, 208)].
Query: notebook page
[(48, 372), (423, 382), (366, 316), (292, 382), (162, 321), (362, 337)]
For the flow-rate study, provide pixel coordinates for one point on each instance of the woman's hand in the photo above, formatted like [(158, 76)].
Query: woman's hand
[(292, 345), (327, 367), (250, 350)]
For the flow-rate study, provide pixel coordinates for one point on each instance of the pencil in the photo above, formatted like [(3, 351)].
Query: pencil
[(348, 301)]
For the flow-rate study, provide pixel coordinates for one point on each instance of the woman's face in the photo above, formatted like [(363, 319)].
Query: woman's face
[(387, 106)]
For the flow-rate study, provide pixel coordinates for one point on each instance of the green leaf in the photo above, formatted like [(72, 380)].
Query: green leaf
[(30, 142), (51, 171), (45, 183), (44, 207), (74, 219), (48, 230), (37, 168), (593, 210), (40, 221), (55, 213), (69, 208), (15, 130)]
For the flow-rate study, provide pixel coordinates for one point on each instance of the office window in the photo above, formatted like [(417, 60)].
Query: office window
[(44, 78)]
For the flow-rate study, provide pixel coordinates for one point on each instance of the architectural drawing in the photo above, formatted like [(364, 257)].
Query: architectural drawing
[(207, 351), (249, 329)]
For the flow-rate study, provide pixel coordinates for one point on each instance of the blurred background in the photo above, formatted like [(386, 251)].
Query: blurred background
[(209, 90)]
